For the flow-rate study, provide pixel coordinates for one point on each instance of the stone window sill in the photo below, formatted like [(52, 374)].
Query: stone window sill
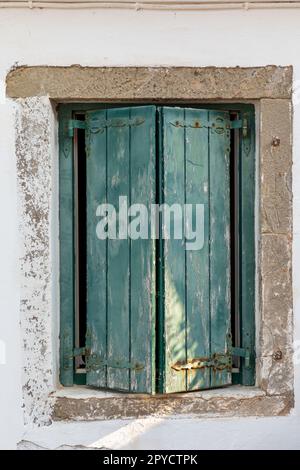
[(84, 403)]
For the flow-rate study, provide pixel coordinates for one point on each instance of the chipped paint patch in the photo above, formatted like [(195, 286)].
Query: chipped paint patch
[(33, 151)]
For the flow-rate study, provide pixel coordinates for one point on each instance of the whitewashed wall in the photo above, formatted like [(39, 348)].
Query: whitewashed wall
[(102, 37)]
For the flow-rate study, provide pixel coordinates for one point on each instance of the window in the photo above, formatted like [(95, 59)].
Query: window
[(147, 314)]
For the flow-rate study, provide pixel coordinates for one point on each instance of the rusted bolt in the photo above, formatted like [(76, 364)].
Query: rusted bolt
[(275, 142), (277, 356), (197, 124)]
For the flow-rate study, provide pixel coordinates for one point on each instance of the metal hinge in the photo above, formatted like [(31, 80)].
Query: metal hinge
[(237, 124), (218, 125), (217, 361), (240, 124), (93, 361), (95, 125), (75, 124), (242, 352), (80, 352)]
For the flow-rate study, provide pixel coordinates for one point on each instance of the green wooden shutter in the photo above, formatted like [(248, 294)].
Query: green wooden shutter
[(121, 273), (196, 284)]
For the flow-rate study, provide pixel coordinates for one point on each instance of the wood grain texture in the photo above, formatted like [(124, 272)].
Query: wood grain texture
[(96, 168), (197, 267), (142, 251), (66, 204), (174, 250), (219, 258)]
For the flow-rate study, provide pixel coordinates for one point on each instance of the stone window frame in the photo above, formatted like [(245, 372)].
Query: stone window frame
[(36, 90)]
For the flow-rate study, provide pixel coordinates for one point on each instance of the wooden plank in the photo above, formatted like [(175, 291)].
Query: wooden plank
[(118, 268), (66, 250), (174, 251), (247, 246), (142, 251), (96, 339), (197, 261), (219, 148), (246, 229)]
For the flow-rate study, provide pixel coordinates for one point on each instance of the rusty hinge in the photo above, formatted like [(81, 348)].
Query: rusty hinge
[(217, 361), (219, 125), (93, 361), (96, 126)]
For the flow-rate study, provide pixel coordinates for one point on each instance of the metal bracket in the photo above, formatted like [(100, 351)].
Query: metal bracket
[(217, 361), (75, 124), (80, 352), (242, 352)]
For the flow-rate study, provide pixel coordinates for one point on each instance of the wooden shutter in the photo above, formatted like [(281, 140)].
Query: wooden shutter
[(121, 273), (196, 284)]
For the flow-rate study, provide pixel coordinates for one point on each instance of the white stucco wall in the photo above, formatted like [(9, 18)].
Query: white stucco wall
[(104, 37)]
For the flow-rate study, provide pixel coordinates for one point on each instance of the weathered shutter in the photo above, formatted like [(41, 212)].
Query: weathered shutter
[(121, 272), (196, 284)]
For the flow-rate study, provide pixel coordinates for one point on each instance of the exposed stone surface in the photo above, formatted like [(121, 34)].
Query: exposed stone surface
[(187, 404), (150, 83), (275, 347), (276, 320), (277, 376), (276, 166)]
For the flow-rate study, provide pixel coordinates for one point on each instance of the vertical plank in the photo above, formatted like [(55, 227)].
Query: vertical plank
[(66, 249), (160, 259), (197, 261), (118, 268), (96, 252), (247, 246), (174, 250), (142, 252), (219, 151)]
